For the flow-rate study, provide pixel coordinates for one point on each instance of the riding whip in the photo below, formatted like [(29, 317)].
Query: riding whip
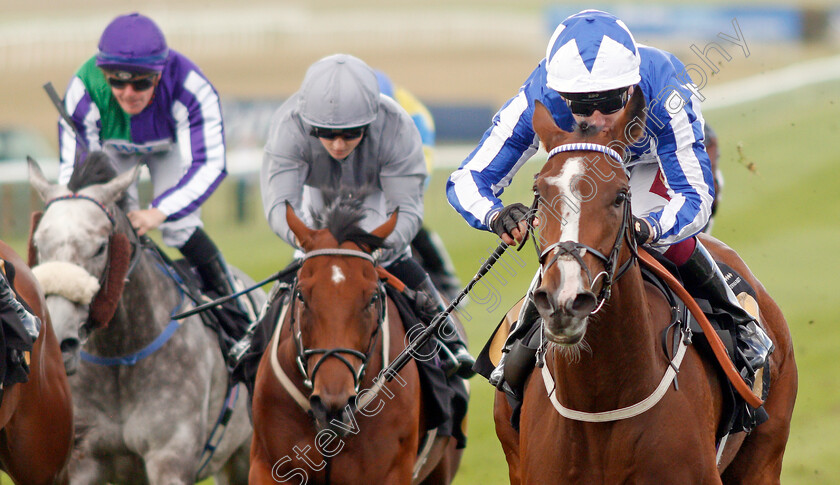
[(59, 105), (411, 349), (294, 267)]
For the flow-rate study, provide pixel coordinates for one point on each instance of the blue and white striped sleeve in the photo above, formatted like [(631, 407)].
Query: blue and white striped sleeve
[(686, 166), (200, 138), (473, 190)]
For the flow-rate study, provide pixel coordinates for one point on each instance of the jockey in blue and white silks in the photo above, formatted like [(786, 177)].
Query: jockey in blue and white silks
[(677, 203), (591, 68)]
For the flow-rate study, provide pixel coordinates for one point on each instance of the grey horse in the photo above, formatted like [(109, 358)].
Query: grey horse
[(143, 422)]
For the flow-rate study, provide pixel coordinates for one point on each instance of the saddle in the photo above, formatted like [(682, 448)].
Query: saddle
[(526, 341), (15, 342)]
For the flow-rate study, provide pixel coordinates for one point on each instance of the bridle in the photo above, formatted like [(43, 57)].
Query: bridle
[(611, 275), (549, 255), (129, 240), (340, 353)]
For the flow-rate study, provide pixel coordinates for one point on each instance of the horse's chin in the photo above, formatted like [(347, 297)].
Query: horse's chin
[(71, 361), (566, 331), (338, 421)]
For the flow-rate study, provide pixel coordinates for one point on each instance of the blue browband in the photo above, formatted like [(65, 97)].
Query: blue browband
[(594, 147)]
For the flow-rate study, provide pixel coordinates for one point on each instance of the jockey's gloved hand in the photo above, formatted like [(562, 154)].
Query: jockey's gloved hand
[(507, 220), (642, 230)]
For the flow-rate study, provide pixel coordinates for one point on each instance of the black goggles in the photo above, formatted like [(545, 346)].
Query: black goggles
[(137, 84), (607, 102), (344, 133)]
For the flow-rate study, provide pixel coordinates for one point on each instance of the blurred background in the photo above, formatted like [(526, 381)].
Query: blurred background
[(770, 73)]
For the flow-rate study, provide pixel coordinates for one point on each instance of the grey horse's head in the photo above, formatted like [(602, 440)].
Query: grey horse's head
[(70, 245)]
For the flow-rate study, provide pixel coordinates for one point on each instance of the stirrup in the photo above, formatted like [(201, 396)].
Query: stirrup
[(456, 363), (498, 373), (757, 345), (243, 345)]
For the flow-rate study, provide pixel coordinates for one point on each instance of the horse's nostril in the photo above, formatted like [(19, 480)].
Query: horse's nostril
[(69, 345), (582, 304), (543, 302)]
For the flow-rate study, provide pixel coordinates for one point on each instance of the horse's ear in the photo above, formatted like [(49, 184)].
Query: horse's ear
[(113, 190), (46, 190), (299, 229), (631, 124), (388, 226), (545, 127)]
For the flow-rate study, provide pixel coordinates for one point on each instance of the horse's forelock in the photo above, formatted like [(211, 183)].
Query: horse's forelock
[(96, 169), (342, 217)]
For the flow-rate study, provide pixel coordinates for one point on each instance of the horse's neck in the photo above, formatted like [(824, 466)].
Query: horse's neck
[(145, 307), (623, 363)]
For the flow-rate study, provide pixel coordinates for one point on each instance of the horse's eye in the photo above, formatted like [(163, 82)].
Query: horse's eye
[(101, 250), (373, 300), (620, 198), (299, 296)]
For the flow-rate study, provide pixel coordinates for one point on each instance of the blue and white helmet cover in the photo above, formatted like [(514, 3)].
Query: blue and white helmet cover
[(591, 51)]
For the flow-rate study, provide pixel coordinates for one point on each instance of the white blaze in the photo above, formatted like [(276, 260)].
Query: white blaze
[(569, 267)]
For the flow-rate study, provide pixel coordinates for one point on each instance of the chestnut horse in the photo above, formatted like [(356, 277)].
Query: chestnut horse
[(318, 415), (620, 363), (36, 417)]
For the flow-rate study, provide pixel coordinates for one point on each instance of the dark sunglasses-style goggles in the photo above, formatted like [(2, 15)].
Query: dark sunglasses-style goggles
[(332, 134), (607, 102), (137, 83)]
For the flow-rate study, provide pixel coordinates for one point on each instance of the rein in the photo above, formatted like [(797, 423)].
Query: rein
[(133, 241)]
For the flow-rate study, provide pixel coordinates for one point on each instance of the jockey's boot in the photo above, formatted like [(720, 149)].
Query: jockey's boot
[(31, 323), (205, 257), (704, 279), (528, 315), (453, 351)]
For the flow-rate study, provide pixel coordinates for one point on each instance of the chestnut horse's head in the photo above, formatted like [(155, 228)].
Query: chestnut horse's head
[(338, 307), (584, 211)]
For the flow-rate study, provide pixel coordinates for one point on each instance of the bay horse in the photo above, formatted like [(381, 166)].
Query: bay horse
[(148, 390), (603, 358), (316, 416), (36, 417)]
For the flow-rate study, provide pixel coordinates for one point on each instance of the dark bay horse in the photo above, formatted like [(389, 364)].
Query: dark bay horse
[(593, 413), (322, 364), (36, 417), (149, 390)]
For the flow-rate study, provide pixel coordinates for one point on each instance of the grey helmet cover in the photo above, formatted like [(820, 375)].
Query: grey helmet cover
[(339, 91)]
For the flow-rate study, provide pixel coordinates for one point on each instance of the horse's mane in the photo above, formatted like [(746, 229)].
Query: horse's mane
[(342, 216), (96, 169)]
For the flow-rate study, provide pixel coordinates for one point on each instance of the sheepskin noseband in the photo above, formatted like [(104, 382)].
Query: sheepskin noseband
[(77, 285), (67, 280)]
